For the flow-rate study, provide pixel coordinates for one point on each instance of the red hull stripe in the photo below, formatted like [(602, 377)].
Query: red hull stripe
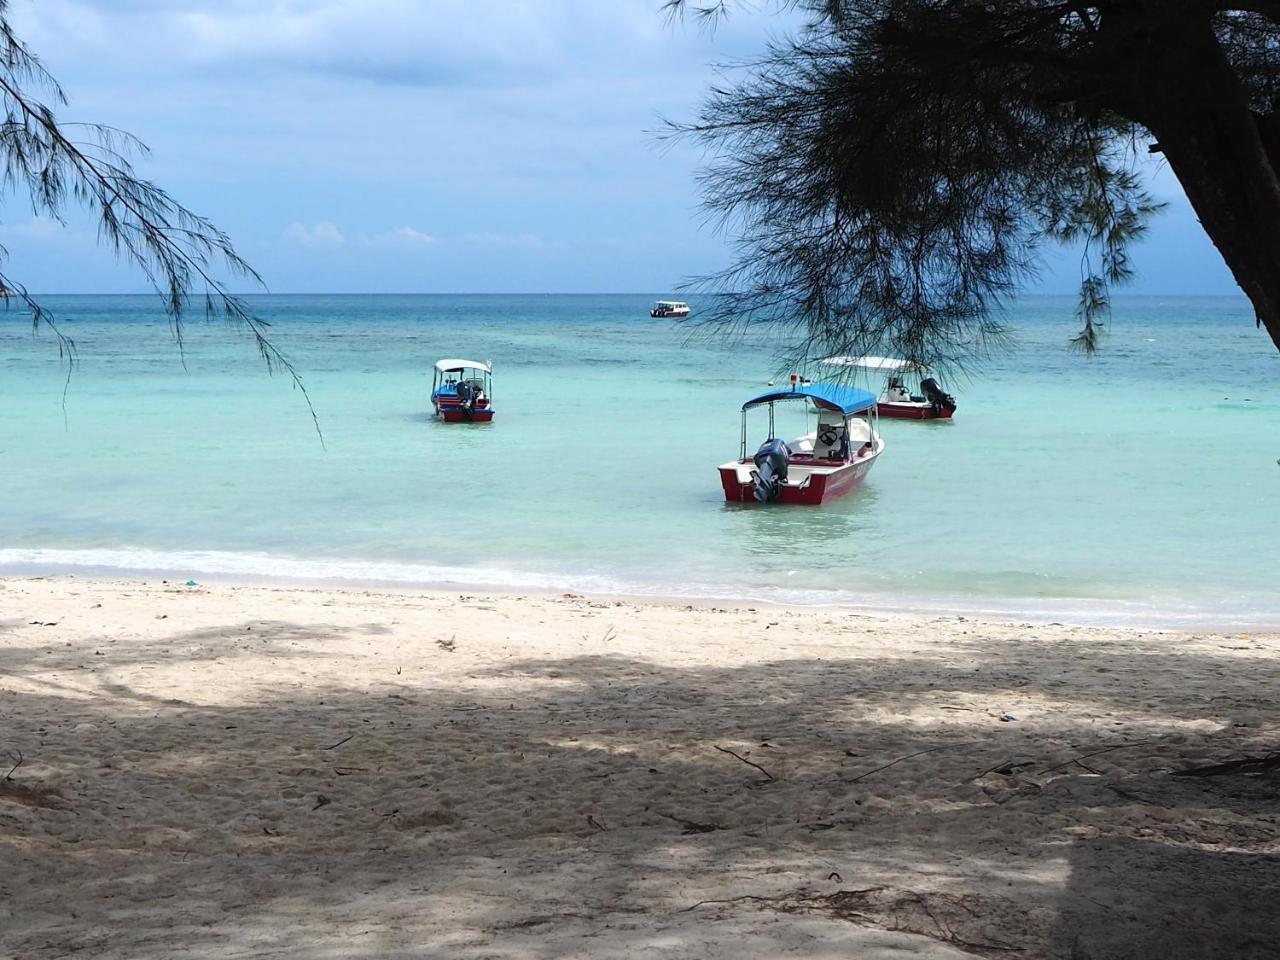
[(894, 411), (820, 489), (457, 416)]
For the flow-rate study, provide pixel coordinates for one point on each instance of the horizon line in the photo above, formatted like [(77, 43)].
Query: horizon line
[(554, 293)]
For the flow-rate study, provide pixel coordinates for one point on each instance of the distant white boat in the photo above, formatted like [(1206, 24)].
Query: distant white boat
[(670, 308)]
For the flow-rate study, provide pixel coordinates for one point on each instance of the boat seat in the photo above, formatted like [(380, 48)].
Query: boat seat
[(801, 446), (859, 432)]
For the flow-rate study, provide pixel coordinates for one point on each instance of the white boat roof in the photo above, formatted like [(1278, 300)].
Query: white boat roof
[(672, 303), (874, 363), (446, 365)]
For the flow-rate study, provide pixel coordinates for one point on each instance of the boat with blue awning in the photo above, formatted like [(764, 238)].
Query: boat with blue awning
[(462, 391), (821, 463)]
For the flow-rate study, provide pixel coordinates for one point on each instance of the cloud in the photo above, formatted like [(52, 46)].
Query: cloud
[(399, 42), (440, 43), (322, 234), (410, 236), (37, 228), (508, 129)]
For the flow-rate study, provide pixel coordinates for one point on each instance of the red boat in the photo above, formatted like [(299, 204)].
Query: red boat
[(816, 467), (896, 401), (462, 391)]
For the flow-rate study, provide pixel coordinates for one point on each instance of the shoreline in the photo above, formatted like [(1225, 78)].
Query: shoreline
[(1082, 612), (284, 772)]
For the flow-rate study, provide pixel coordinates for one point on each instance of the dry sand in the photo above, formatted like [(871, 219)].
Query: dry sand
[(307, 773)]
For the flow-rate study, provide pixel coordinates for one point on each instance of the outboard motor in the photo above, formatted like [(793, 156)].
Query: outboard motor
[(771, 470), (942, 402), (466, 397)]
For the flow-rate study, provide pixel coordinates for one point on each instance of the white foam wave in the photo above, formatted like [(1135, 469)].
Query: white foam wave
[(263, 567), (184, 564)]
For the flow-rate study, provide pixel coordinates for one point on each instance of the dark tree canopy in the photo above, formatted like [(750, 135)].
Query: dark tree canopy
[(52, 165), (892, 173)]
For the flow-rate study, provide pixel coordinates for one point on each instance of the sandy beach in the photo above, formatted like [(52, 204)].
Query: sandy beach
[(273, 772)]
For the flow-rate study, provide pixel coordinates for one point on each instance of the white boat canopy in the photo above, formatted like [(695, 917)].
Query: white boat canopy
[(874, 363), (449, 366), (671, 303)]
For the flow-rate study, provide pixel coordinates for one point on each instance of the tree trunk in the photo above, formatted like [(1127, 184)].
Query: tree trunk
[(1175, 80)]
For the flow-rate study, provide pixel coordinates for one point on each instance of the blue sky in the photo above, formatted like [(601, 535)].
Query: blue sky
[(429, 145)]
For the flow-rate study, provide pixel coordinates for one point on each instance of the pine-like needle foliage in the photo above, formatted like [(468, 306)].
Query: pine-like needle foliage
[(56, 165), (891, 175)]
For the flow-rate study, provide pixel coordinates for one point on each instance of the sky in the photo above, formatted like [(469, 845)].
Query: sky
[(432, 146)]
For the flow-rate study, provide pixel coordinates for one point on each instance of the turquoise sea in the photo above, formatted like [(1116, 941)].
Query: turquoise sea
[(1142, 485)]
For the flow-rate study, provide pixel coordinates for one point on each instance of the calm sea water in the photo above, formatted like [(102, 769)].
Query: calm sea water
[(1141, 485)]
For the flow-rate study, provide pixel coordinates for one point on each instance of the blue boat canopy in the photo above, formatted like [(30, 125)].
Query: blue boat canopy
[(848, 400)]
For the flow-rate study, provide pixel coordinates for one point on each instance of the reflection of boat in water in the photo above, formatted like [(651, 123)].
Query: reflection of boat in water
[(771, 534), (896, 401), (462, 391), (670, 308), (817, 466)]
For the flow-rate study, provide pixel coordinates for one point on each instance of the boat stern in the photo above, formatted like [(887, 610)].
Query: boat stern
[(735, 477)]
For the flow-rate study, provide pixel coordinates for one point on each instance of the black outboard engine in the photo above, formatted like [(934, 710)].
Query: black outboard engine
[(466, 397), (942, 402), (771, 470)]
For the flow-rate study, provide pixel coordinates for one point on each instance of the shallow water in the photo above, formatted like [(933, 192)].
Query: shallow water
[(1140, 485)]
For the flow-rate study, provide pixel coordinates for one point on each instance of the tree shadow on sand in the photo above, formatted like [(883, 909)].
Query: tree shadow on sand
[(609, 806)]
